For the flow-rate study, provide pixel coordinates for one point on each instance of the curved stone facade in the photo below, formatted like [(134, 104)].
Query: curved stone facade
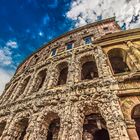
[(84, 85)]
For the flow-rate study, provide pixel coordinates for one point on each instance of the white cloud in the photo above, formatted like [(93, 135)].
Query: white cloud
[(6, 61), (87, 11), (6, 53), (4, 78), (12, 44)]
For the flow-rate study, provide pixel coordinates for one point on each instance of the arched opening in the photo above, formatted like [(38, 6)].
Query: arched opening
[(94, 128), (101, 134), (53, 129), (136, 117), (40, 80), (50, 126), (118, 58), (63, 72), (25, 83), (2, 127), (34, 60), (21, 127), (89, 69)]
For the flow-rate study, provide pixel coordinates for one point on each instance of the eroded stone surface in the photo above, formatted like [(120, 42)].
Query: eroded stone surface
[(28, 110)]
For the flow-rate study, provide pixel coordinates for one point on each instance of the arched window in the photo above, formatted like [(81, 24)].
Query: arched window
[(53, 129), (40, 80), (2, 127), (94, 128), (34, 60), (118, 58), (63, 72), (89, 68), (25, 83), (21, 128), (50, 124), (136, 117)]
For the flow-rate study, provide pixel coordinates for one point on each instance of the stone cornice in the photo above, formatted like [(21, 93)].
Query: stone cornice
[(119, 37)]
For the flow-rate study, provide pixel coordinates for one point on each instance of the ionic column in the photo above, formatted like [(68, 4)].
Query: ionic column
[(134, 54), (101, 61), (134, 50), (131, 129)]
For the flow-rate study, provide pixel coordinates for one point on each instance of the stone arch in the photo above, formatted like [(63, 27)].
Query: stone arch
[(136, 116), (34, 60), (19, 125), (127, 107), (118, 60), (25, 84), (49, 123), (94, 126), (40, 79), (61, 73), (88, 67)]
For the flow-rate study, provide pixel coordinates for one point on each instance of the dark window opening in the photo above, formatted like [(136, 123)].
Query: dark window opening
[(69, 46), (40, 80), (136, 117), (101, 135), (53, 52), (23, 125), (53, 130), (25, 83), (106, 29), (87, 40), (94, 131), (2, 127), (89, 70), (63, 76), (117, 59)]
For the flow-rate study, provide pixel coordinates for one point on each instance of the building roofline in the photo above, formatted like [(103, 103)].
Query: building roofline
[(66, 34)]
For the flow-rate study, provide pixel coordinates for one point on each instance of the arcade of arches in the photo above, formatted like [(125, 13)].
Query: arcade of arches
[(88, 92)]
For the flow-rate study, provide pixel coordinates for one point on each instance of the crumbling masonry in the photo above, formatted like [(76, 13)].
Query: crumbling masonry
[(83, 85)]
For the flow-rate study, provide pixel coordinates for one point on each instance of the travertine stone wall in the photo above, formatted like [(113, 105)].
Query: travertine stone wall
[(113, 96)]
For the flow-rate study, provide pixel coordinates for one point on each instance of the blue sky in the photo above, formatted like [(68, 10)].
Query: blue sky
[(25, 25)]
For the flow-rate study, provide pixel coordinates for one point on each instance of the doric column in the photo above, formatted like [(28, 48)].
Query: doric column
[(131, 129), (72, 122), (101, 62)]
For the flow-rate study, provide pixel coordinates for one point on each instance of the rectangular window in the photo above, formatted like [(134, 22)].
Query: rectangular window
[(106, 29), (87, 40), (53, 52), (69, 46)]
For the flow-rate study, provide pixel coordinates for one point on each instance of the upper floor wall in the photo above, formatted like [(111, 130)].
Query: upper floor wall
[(74, 38)]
